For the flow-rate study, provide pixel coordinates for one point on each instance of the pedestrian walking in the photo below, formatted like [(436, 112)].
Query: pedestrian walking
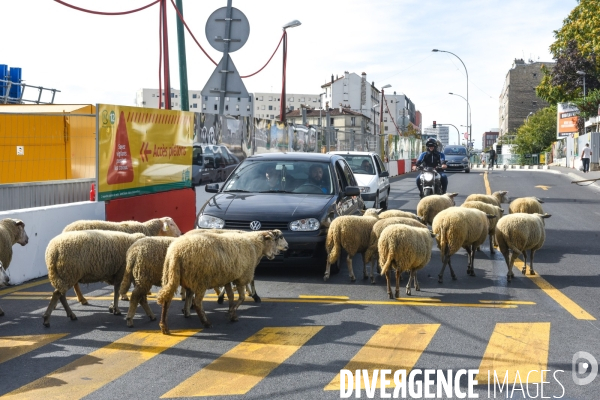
[(492, 158), (586, 154)]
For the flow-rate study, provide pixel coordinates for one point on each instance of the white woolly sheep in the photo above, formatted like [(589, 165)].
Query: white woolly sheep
[(404, 248), (86, 257), (12, 231), (145, 260), (164, 226), (430, 206), (353, 234), (527, 205), (371, 255), (496, 198), (457, 227), (496, 211), (200, 262), (520, 232), (399, 214)]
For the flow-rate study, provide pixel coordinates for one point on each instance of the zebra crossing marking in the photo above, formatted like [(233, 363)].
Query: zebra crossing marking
[(90, 372), (15, 346), (393, 347), (516, 347), (244, 366)]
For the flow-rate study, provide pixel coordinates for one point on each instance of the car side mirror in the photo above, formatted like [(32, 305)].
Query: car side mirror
[(212, 188), (384, 174), (352, 191)]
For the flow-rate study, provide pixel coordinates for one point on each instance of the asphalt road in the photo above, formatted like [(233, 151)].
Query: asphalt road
[(295, 342)]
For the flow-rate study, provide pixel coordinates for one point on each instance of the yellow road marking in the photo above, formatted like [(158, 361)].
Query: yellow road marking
[(392, 347), (516, 347), (24, 286), (309, 296), (556, 294), (528, 303), (543, 187), (488, 190), (14, 346), (404, 301), (244, 366), (89, 373)]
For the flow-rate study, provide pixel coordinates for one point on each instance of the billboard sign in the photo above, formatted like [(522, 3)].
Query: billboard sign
[(566, 120), (143, 150)]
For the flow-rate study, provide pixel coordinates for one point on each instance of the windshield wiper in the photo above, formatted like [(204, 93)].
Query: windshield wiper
[(275, 191), (236, 191)]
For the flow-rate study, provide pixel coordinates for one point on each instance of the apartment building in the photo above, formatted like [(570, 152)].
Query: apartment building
[(268, 105)]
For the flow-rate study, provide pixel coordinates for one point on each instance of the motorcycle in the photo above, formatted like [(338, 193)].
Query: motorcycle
[(431, 181)]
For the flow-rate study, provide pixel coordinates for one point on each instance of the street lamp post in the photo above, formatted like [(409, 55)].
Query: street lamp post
[(469, 115), (469, 128), (582, 73), (528, 115), (457, 131), (381, 146), (320, 117), (282, 105)]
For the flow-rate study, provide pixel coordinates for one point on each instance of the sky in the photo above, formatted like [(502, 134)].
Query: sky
[(106, 59)]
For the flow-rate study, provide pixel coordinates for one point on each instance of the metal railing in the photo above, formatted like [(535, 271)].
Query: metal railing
[(15, 196), (6, 86)]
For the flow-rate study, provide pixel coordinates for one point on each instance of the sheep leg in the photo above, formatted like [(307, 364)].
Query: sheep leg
[(471, 257), (230, 295), (63, 301), (199, 295), (373, 267), (253, 294), (365, 275), (452, 274), (164, 328), (398, 279), (53, 301), (188, 302), (80, 297), (410, 278), (524, 270), (114, 308), (183, 293), (492, 251), (389, 287), (1, 312), (220, 291), (146, 307), (417, 286), (350, 268), (327, 268), (531, 271), (241, 297), (510, 274)]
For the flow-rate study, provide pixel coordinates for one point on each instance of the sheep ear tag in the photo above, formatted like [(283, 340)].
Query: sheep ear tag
[(120, 169)]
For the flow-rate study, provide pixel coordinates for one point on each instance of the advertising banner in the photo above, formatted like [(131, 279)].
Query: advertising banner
[(143, 150), (566, 120)]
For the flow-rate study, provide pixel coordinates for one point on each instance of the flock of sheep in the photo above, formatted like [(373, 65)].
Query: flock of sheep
[(155, 253), (401, 241)]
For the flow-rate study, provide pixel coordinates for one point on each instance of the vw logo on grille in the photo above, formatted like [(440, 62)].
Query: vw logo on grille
[(255, 225)]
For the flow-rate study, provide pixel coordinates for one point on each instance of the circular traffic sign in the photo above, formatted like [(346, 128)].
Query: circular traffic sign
[(238, 34)]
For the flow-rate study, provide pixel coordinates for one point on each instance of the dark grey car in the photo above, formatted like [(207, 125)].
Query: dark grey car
[(212, 163), (457, 158)]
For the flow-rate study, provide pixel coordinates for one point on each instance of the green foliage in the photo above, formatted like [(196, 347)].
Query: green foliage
[(538, 133), (575, 49), (411, 131)]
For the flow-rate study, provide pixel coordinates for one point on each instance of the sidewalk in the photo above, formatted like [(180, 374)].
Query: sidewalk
[(573, 173)]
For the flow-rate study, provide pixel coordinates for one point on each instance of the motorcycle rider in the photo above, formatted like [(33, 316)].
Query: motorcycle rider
[(435, 159)]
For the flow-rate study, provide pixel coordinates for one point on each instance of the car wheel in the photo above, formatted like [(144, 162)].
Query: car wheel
[(468, 170), (384, 204)]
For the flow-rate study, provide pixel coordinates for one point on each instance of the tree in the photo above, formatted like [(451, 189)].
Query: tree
[(574, 49), (537, 134), (411, 131)]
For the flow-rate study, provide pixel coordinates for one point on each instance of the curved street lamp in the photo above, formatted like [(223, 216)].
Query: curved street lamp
[(469, 128), (282, 105), (469, 107)]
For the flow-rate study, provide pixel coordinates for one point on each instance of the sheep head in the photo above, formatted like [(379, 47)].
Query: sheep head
[(169, 227), (20, 234)]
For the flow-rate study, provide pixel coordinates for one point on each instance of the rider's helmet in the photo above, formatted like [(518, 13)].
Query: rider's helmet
[(430, 142)]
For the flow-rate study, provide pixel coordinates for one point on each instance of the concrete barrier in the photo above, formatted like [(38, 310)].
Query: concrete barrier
[(41, 225)]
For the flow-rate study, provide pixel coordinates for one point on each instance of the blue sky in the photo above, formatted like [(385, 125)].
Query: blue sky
[(105, 59)]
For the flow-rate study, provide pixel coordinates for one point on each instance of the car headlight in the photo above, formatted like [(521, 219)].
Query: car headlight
[(208, 221), (465, 159), (364, 189), (304, 225), (428, 176)]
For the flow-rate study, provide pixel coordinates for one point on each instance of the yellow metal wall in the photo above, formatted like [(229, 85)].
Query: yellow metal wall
[(54, 147)]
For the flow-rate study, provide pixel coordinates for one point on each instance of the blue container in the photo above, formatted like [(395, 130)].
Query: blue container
[(15, 78), (3, 77)]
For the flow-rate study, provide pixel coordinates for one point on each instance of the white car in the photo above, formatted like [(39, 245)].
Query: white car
[(371, 175)]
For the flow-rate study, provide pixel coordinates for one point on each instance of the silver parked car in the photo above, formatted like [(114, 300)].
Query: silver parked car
[(371, 175), (212, 163)]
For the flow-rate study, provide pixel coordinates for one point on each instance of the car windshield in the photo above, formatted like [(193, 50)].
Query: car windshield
[(455, 151), (265, 176), (360, 164)]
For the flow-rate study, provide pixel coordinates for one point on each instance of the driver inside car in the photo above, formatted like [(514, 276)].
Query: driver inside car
[(435, 159), (316, 177)]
